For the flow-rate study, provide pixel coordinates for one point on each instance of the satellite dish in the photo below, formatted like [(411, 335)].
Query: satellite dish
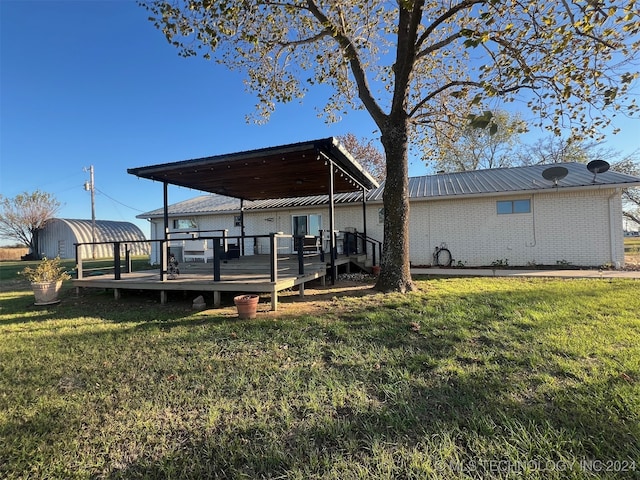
[(555, 174), (596, 167)]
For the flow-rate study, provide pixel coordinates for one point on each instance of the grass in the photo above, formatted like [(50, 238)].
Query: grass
[(632, 250), (465, 378), (9, 270)]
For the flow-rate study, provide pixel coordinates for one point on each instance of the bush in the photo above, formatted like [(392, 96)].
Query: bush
[(46, 271)]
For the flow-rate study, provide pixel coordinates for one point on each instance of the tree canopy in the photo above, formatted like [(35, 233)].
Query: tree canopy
[(420, 68), (365, 153), (474, 148), (22, 216)]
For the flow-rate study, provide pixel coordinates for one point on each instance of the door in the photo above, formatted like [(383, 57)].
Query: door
[(299, 227), (302, 225)]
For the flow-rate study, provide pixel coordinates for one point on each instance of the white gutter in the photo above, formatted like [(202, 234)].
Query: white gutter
[(612, 235)]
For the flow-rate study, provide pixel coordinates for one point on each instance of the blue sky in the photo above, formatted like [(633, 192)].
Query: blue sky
[(94, 83)]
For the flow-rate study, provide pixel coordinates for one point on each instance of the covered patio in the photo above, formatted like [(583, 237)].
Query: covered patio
[(316, 167)]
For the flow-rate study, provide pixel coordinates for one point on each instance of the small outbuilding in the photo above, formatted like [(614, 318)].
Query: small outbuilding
[(59, 236)]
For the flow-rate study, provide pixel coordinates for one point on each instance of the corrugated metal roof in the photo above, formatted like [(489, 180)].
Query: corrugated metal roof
[(106, 230), (214, 203), (498, 181), (507, 181)]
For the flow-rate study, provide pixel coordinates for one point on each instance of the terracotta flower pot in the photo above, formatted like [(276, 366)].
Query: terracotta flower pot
[(247, 305), (46, 293), (375, 270)]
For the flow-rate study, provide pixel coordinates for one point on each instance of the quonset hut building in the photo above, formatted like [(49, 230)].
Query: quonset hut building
[(59, 235)]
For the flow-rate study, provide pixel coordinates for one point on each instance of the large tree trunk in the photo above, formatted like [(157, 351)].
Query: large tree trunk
[(395, 274)]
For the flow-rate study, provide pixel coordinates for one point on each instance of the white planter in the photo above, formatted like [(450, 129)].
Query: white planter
[(46, 293)]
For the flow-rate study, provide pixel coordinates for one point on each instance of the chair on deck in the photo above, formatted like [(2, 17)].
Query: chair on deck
[(311, 244), (196, 250), (233, 251)]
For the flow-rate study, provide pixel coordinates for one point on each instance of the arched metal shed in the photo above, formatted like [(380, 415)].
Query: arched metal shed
[(59, 235)]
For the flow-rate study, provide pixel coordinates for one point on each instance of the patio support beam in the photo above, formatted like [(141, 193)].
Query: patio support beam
[(332, 226), (242, 234), (164, 254), (364, 217)]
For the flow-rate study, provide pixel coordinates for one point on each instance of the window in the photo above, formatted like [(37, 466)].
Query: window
[(237, 221), (381, 216), (513, 206), (184, 224)]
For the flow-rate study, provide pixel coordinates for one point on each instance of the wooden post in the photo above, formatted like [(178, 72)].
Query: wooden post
[(274, 261), (164, 260), (217, 249), (78, 262), (117, 274), (332, 226), (300, 247), (127, 258), (364, 218)]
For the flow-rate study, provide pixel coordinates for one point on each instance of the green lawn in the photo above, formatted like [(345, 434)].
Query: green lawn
[(9, 270), (466, 378)]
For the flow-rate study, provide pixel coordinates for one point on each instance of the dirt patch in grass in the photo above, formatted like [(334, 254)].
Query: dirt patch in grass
[(632, 262), (318, 299)]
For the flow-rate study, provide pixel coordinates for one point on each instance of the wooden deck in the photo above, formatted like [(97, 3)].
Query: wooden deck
[(250, 274)]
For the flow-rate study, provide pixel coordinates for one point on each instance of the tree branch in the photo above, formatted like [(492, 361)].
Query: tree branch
[(442, 19), (351, 55)]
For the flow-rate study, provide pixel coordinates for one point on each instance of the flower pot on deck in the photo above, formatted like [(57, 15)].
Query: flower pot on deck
[(46, 293), (247, 305)]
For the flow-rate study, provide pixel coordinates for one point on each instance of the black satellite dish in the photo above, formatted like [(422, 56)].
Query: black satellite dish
[(596, 167), (555, 174)]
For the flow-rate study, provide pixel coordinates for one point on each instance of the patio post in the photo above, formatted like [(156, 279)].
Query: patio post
[(332, 225), (273, 240), (217, 248), (117, 274)]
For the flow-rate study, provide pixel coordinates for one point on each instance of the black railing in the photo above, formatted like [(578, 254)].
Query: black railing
[(358, 243), (222, 251)]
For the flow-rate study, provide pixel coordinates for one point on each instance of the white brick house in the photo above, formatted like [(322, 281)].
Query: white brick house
[(511, 216)]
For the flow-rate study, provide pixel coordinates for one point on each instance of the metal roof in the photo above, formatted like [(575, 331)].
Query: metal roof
[(298, 169), (106, 230), (498, 181)]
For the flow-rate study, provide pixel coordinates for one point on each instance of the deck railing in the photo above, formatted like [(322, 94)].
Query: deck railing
[(222, 246)]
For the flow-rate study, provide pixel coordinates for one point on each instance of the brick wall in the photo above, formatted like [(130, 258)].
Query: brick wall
[(581, 228)]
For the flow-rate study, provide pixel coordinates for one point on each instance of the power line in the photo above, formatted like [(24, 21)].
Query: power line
[(118, 201)]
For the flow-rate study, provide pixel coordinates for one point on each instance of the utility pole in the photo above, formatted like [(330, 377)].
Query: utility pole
[(91, 187)]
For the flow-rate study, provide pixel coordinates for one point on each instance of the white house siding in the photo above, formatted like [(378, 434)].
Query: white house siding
[(204, 222), (264, 222), (580, 228)]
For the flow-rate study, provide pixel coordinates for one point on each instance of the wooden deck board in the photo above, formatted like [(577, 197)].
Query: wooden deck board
[(249, 274)]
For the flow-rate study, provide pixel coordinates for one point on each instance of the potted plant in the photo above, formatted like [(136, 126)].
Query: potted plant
[(247, 305), (46, 280)]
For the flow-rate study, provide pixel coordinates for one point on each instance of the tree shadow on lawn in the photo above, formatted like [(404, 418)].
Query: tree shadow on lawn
[(453, 423), (436, 404), (138, 307), (469, 383)]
